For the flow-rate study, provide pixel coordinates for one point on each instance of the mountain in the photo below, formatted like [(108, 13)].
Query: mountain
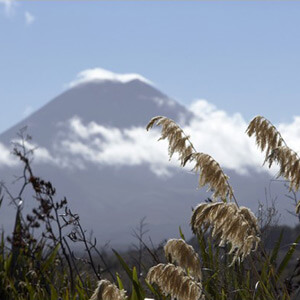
[(114, 189), (108, 103)]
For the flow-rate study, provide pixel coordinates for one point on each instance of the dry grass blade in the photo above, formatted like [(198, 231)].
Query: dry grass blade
[(177, 250), (173, 281), (212, 174), (178, 141), (230, 224), (298, 208), (107, 291), (269, 138)]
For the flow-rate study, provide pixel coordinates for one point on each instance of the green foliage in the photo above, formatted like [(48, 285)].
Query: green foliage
[(37, 279), (138, 292)]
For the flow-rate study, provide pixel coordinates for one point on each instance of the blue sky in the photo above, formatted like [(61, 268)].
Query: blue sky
[(241, 56)]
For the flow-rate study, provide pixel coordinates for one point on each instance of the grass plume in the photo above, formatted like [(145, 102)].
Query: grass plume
[(269, 138), (178, 141), (107, 291), (230, 224), (210, 171), (173, 281), (212, 174), (177, 250)]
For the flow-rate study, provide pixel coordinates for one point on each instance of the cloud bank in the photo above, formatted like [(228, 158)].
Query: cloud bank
[(102, 145), (98, 74), (212, 131)]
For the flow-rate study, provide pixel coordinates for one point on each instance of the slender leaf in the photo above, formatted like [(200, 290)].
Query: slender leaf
[(287, 257), (181, 233)]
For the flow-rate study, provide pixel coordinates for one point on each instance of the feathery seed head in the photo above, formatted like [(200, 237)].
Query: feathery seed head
[(177, 250), (230, 224), (173, 281), (210, 171), (178, 141), (212, 174), (267, 136), (107, 291)]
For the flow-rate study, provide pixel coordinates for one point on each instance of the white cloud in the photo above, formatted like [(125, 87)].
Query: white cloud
[(212, 131), (9, 6), (99, 74), (29, 18), (6, 158), (112, 146), (27, 111), (223, 136), (291, 133), (10, 9), (41, 154)]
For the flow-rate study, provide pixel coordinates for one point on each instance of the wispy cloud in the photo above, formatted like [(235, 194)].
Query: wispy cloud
[(98, 74), (29, 18), (10, 9), (27, 111), (9, 6)]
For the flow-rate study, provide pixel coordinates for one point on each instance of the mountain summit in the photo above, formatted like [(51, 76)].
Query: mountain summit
[(107, 101), (100, 75)]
